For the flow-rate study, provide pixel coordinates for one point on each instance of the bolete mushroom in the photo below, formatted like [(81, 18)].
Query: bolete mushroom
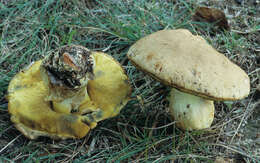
[(67, 93), (198, 72)]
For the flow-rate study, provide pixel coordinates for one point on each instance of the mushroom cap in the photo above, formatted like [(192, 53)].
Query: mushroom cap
[(32, 115), (109, 91), (190, 112), (187, 62)]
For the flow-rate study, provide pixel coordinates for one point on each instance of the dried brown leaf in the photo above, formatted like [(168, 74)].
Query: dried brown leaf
[(211, 15)]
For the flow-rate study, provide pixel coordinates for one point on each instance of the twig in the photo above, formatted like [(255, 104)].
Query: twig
[(245, 113), (109, 46), (114, 132), (160, 127), (153, 128), (246, 32), (223, 124), (78, 150), (234, 150), (9, 143), (194, 140)]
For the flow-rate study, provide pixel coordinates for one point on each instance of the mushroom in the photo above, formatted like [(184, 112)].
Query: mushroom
[(197, 73), (67, 93)]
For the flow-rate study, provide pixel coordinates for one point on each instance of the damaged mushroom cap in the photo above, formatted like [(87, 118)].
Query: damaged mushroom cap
[(187, 62), (31, 114), (34, 116)]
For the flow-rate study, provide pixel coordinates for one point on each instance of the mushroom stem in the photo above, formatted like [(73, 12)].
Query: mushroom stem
[(191, 112)]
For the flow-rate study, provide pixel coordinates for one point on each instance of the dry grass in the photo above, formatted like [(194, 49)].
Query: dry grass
[(144, 130)]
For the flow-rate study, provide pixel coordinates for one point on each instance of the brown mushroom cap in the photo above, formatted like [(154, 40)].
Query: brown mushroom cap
[(187, 62)]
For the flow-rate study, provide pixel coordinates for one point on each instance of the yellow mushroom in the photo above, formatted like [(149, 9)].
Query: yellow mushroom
[(39, 110)]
